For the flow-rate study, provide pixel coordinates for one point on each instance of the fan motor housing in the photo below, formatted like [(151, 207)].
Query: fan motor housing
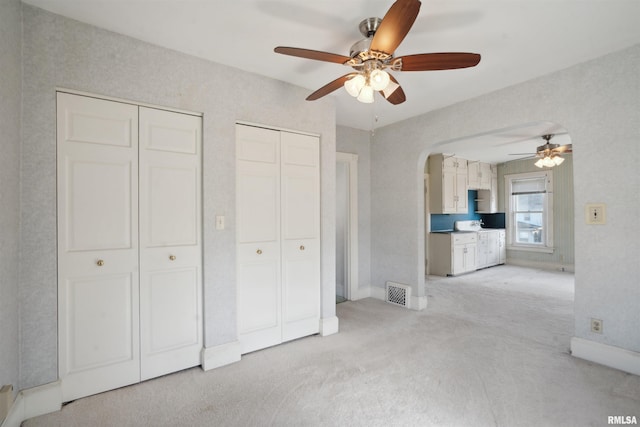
[(368, 28)]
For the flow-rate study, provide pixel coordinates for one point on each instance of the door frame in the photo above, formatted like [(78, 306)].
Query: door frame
[(351, 286)]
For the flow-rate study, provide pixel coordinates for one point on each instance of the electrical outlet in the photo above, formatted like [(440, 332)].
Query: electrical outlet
[(596, 325)]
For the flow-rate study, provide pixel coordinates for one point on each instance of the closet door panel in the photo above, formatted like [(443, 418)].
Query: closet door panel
[(172, 204), (300, 235), (259, 296), (107, 304), (301, 288), (170, 295), (255, 144), (98, 193), (98, 283), (258, 237), (258, 202), (299, 203), (170, 242)]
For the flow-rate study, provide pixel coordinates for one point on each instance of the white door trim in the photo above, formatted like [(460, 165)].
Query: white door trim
[(352, 235), (127, 101)]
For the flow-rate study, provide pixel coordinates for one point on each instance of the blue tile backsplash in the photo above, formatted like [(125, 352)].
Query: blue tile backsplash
[(440, 222)]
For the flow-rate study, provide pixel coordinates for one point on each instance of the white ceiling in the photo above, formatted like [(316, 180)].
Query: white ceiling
[(518, 40)]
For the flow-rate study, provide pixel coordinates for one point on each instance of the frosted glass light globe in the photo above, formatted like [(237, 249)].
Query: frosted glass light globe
[(354, 85), (379, 80), (366, 95)]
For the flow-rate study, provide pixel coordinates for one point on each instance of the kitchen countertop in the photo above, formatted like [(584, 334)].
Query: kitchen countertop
[(458, 231)]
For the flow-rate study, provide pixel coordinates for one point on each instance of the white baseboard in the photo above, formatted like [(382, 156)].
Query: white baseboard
[(378, 293), (329, 326), (34, 402), (608, 355), (418, 303), (415, 303), (541, 265), (220, 355), (361, 293)]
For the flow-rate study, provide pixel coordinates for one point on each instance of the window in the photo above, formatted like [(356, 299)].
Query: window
[(530, 211)]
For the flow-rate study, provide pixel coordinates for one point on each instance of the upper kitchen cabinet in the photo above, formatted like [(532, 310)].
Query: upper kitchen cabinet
[(448, 189), (479, 175), (487, 201)]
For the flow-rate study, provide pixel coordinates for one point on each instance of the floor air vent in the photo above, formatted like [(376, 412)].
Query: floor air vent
[(398, 294)]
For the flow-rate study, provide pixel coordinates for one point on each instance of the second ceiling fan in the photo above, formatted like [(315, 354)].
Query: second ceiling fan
[(372, 56)]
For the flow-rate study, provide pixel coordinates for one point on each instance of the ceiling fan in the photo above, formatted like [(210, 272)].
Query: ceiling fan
[(373, 55), (548, 154)]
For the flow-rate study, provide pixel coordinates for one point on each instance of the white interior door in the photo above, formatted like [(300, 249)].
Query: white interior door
[(300, 219), (258, 208), (98, 290), (170, 242)]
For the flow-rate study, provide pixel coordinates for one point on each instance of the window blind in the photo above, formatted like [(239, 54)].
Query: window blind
[(528, 186)]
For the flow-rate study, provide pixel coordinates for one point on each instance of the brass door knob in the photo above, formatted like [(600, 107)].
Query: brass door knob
[(259, 251), (172, 257), (301, 247), (100, 263)]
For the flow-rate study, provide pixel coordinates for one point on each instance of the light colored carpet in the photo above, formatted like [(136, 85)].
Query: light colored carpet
[(491, 349)]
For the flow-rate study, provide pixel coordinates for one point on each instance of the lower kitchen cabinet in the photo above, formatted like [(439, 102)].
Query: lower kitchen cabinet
[(502, 246), (491, 248), (451, 254)]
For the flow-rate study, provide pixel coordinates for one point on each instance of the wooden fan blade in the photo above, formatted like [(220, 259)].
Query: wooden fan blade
[(563, 149), (330, 87), (395, 25), (439, 61), (397, 96), (312, 54)]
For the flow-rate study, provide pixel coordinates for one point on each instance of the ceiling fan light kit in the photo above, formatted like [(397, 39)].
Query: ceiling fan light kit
[(363, 84), (549, 161), (372, 56), (549, 154)]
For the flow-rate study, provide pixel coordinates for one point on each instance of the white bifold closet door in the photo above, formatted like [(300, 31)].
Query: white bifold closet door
[(278, 211), (170, 242), (129, 246)]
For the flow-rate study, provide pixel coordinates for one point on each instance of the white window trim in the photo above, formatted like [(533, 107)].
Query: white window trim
[(548, 211)]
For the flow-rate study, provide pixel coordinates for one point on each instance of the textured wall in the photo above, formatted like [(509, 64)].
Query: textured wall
[(599, 103), (59, 52), (10, 106), (563, 215), (349, 140)]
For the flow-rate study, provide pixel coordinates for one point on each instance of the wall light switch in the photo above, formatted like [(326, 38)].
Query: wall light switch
[(595, 213), (220, 222)]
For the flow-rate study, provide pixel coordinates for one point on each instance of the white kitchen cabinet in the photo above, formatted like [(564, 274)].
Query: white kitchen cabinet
[(487, 201), (491, 248), (451, 254), (502, 246), (448, 189), (479, 175), (483, 250), (473, 175)]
